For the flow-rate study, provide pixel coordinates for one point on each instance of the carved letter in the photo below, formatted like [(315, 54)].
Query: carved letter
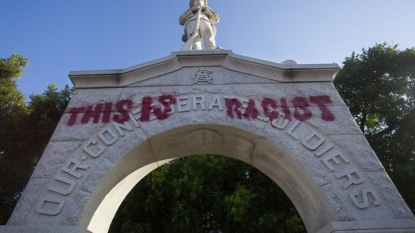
[(216, 103), (307, 140), (261, 116), (324, 150), (292, 128), (71, 170), (125, 126), (64, 192), (182, 104), (50, 206), (365, 203), (198, 99), (350, 178), (133, 118), (135, 122), (332, 157), (282, 124), (90, 151), (109, 141), (244, 103)]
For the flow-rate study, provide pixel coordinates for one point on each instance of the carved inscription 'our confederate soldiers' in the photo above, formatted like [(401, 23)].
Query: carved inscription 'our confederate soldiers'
[(198, 22)]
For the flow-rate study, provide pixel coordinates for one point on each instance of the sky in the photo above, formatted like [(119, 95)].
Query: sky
[(59, 36)]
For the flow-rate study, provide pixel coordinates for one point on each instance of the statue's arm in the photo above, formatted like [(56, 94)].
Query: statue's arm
[(184, 16), (213, 15)]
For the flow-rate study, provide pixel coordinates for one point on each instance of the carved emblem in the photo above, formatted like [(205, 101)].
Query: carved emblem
[(204, 139), (203, 76)]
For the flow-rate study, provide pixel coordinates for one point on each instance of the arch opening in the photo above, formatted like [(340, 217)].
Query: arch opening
[(206, 193), (233, 142)]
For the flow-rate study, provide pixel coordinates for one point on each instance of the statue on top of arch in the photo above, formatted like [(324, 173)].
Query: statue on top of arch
[(198, 22)]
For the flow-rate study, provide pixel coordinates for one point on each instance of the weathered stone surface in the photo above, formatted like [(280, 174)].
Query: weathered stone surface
[(91, 96), (313, 89), (59, 153), (40, 229), (387, 192), (344, 124), (203, 139), (78, 132), (95, 176), (74, 212), (385, 226), (316, 169), (359, 150), (353, 198), (282, 139), (336, 200), (27, 203)]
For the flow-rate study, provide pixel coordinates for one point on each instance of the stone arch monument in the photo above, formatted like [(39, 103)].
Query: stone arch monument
[(285, 119)]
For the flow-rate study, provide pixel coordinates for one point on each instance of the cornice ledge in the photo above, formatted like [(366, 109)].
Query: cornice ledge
[(221, 58), (282, 72)]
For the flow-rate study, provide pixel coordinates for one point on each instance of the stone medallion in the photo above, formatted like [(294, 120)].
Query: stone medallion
[(203, 140)]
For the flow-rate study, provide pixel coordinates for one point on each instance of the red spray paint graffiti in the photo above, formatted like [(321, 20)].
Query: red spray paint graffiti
[(163, 106)]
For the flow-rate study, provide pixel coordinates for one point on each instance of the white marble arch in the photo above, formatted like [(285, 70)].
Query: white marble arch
[(121, 124)]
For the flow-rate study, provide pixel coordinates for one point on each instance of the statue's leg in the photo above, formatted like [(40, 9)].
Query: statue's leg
[(208, 34), (196, 43)]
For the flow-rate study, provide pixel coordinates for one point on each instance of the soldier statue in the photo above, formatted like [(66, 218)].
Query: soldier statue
[(198, 22)]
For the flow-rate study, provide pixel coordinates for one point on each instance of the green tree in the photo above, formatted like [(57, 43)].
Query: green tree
[(12, 108), (12, 101), (25, 129), (378, 86), (45, 111), (207, 193)]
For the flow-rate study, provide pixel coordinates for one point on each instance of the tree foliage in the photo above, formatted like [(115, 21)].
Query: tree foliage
[(378, 86), (207, 193), (12, 102), (25, 129), (12, 107)]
